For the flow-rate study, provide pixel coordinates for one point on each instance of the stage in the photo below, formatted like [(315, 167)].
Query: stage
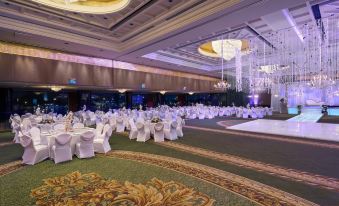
[(308, 130)]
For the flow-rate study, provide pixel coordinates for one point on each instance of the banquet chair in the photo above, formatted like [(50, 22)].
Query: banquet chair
[(35, 135), (210, 115), (78, 125), (101, 142), (171, 131), (59, 127), (61, 151), (254, 114), (201, 115), (179, 127), (261, 113), (26, 124), (143, 134), (159, 135), (112, 121), (126, 122), (16, 130), (120, 125), (245, 114), (133, 133), (33, 153), (85, 148), (99, 128)]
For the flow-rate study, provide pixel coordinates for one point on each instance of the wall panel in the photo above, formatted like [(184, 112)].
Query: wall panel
[(32, 70)]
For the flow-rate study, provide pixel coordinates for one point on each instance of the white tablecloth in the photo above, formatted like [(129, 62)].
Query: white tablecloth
[(49, 137)]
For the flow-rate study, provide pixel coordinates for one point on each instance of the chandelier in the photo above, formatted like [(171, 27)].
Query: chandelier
[(222, 84), (320, 81)]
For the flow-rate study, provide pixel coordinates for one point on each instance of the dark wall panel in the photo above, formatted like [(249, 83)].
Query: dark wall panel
[(14, 68)]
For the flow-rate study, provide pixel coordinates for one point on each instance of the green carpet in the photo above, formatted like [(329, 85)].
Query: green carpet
[(20, 183), (6, 137), (289, 155)]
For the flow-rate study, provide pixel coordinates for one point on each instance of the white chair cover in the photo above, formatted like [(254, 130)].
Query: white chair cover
[(120, 125), (85, 148), (101, 143), (143, 134), (171, 132), (33, 153), (133, 133), (62, 151), (159, 135)]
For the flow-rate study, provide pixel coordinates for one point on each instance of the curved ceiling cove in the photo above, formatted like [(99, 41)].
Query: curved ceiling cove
[(87, 6)]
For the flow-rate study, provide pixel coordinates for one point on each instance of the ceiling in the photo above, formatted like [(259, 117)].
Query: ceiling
[(158, 33)]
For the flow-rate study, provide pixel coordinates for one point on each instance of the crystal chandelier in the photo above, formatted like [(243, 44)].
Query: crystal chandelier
[(320, 81), (222, 84)]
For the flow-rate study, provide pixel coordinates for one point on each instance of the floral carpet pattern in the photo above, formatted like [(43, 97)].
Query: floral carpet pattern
[(91, 189), (252, 190)]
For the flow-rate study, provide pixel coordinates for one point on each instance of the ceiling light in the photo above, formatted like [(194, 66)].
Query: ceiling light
[(224, 48), (87, 6)]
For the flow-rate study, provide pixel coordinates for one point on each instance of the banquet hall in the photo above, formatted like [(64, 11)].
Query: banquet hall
[(169, 102)]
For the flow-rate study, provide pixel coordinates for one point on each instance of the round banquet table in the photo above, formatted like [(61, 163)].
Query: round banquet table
[(49, 137)]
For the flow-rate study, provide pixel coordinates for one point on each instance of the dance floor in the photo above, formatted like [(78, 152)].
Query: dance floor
[(309, 130)]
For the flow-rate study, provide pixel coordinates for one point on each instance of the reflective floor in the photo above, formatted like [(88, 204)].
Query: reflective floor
[(310, 130)]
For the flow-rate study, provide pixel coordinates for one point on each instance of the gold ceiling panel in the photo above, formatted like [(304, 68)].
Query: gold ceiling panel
[(206, 49), (87, 6)]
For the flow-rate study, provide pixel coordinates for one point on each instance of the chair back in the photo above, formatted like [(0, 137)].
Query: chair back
[(35, 135), (158, 127), (63, 140), (109, 132), (174, 125), (105, 129), (25, 140), (87, 137), (99, 128), (132, 124), (140, 126)]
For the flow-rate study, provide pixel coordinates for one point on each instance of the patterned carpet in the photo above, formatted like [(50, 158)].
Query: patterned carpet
[(78, 188), (92, 189)]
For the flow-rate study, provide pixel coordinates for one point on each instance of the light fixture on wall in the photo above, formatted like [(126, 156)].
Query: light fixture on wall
[(190, 93), (122, 90), (162, 92), (56, 88)]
